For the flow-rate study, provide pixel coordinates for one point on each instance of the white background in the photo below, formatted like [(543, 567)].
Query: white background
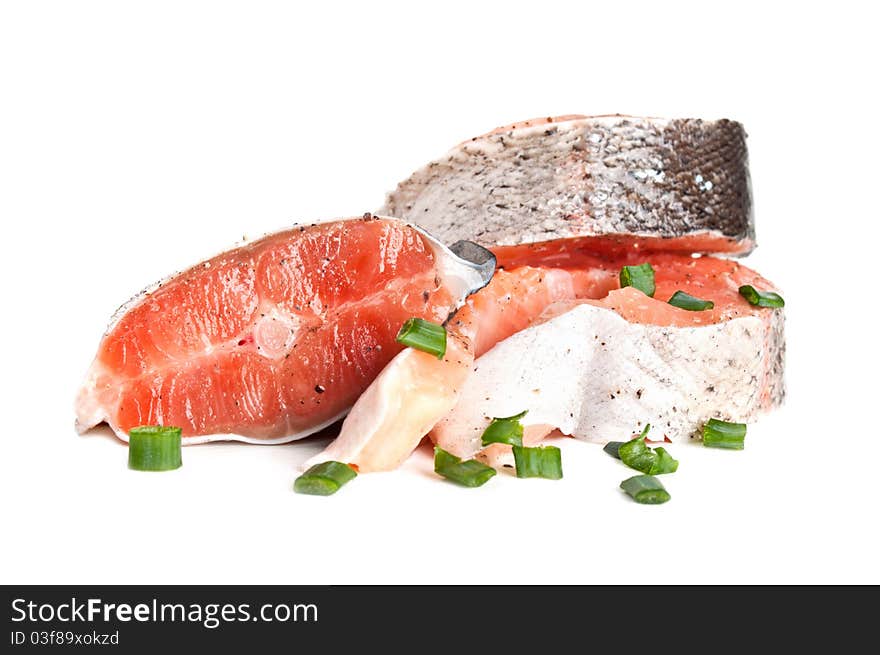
[(138, 138)]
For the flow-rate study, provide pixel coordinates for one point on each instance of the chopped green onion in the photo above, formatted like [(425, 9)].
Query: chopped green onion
[(154, 448), (637, 455), (665, 463), (722, 434), (423, 335), (538, 462), (645, 490), (761, 298), (470, 473), (613, 448), (686, 301), (324, 479), (505, 430), (640, 277)]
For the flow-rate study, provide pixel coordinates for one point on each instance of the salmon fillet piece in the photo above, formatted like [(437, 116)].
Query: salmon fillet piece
[(668, 184), (273, 340), (597, 369), (521, 343)]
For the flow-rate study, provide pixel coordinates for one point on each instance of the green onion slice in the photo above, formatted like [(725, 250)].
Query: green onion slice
[(470, 473), (154, 448), (641, 277), (761, 298), (613, 448), (507, 430), (722, 434), (423, 335), (538, 462), (645, 489), (686, 301), (637, 455), (324, 479)]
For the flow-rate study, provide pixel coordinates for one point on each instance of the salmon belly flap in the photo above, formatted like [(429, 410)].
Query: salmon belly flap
[(272, 340)]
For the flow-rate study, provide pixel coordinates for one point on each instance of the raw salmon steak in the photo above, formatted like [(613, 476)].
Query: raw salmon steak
[(613, 182), (273, 340)]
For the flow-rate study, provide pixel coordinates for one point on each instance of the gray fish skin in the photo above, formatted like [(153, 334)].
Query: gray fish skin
[(549, 179)]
